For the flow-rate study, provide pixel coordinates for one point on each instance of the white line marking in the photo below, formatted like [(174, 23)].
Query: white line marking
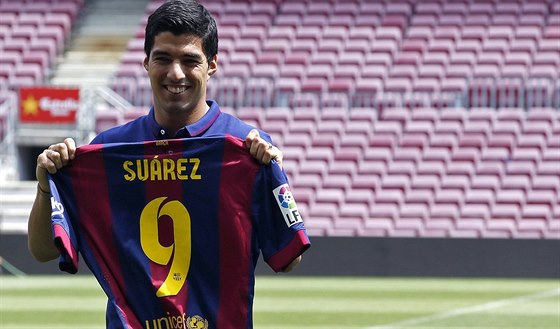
[(468, 310)]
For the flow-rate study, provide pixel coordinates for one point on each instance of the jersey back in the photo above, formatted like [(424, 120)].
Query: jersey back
[(172, 229)]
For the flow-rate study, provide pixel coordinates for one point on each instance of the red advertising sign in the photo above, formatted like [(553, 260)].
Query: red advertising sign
[(48, 105)]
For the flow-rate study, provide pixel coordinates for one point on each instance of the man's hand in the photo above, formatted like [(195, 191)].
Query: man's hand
[(262, 150), (39, 232), (52, 159)]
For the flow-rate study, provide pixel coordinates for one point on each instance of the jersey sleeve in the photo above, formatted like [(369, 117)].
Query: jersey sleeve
[(281, 232), (63, 232)]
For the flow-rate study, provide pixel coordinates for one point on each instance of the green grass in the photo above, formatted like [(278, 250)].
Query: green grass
[(313, 302)]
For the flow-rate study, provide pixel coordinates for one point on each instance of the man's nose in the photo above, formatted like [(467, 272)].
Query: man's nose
[(176, 71)]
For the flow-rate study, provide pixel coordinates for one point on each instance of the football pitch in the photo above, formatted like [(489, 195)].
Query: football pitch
[(290, 302)]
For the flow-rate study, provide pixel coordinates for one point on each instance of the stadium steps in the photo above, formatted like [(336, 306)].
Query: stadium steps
[(16, 199), (98, 42)]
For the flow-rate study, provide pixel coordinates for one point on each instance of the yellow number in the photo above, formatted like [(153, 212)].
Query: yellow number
[(178, 253)]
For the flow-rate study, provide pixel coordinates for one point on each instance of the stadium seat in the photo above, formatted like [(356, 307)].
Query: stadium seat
[(480, 196), (500, 228), (547, 167), (353, 140), (33, 71), (542, 197), (546, 182), (446, 211), (253, 115), (401, 167), (337, 181), (433, 155), (324, 210), (107, 119), (330, 195), (321, 153), (16, 82), (455, 181), (366, 179), (133, 113), (379, 211)]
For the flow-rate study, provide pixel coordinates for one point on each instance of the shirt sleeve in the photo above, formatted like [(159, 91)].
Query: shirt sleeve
[(281, 232), (63, 232)]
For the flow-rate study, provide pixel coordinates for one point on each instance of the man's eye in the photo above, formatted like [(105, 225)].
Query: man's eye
[(161, 59), (189, 62)]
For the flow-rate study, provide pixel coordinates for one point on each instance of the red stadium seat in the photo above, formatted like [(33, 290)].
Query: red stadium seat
[(107, 119)]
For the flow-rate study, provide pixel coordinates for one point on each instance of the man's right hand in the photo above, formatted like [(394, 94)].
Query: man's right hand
[(52, 159), (39, 232)]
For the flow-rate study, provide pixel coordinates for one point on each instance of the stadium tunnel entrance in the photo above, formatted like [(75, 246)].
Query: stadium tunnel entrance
[(27, 160), (32, 140)]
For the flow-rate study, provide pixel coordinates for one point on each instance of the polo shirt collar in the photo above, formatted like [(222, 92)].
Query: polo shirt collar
[(193, 130)]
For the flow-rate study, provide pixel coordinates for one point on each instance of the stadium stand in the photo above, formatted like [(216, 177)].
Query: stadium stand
[(438, 54), (492, 165), (396, 118), (32, 35)]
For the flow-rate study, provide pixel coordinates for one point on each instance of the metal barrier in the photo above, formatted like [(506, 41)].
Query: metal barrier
[(7, 142), (513, 92), (476, 92)]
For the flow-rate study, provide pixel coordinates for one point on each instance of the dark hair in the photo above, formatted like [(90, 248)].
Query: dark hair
[(179, 17)]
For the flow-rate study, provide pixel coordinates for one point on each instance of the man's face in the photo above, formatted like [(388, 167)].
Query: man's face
[(178, 71)]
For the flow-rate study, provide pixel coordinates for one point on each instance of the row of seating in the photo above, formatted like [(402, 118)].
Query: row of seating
[(357, 7), (421, 173), (478, 173), (364, 92), (68, 7), (272, 40), (32, 35)]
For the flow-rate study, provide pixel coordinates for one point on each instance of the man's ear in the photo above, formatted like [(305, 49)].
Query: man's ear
[(146, 60), (213, 66)]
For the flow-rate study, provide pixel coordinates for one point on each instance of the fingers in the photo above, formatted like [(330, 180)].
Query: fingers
[(71, 145), (55, 157), (258, 150), (252, 136), (265, 153), (277, 155), (257, 146), (261, 150)]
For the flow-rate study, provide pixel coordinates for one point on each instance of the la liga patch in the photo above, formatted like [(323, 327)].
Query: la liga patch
[(287, 204)]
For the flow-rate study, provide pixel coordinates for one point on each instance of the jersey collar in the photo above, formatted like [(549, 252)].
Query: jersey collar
[(193, 130)]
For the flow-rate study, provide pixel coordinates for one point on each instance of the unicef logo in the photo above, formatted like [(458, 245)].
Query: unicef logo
[(286, 198)]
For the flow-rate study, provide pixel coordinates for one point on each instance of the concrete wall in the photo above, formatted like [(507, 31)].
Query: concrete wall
[(432, 257), (507, 258)]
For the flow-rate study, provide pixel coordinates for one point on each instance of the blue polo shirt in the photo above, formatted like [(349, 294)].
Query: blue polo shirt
[(214, 123)]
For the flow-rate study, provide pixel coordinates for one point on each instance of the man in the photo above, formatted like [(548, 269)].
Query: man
[(181, 46)]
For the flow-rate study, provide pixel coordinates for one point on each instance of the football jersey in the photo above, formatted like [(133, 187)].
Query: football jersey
[(172, 229)]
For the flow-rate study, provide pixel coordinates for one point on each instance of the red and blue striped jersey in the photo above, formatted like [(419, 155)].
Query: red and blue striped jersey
[(172, 229)]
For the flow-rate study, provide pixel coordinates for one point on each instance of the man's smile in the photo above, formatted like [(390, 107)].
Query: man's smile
[(176, 89)]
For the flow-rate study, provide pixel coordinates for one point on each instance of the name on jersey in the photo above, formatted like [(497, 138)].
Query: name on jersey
[(156, 169)]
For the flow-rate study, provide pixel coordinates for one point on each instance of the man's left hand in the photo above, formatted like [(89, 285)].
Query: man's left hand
[(262, 150)]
